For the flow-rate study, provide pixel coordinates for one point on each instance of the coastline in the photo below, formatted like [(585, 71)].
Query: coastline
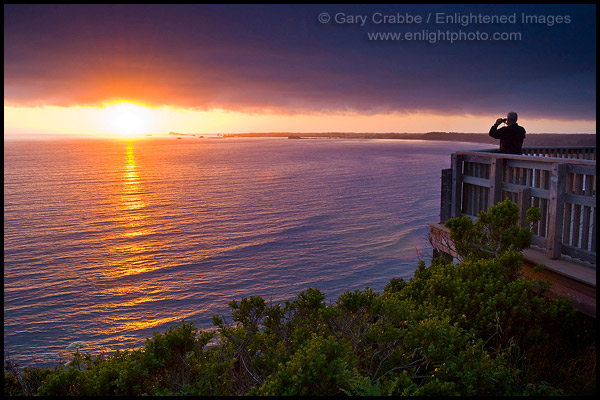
[(532, 139)]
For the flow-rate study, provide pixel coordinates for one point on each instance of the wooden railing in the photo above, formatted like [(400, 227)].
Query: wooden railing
[(580, 153), (559, 181)]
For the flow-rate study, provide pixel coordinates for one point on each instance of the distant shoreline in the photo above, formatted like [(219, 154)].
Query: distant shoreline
[(532, 139)]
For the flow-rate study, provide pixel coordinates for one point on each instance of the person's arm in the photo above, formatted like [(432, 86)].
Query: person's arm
[(494, 132)]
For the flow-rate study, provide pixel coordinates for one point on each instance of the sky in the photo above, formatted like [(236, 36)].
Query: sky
[(94, 69)]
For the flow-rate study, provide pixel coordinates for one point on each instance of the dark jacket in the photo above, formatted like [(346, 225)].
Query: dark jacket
[(511, 138)]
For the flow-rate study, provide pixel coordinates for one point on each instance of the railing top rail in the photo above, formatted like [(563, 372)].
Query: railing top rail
[(493, 153), (560, 147), (495, 149)]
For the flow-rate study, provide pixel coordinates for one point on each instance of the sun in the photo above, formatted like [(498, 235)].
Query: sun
[(127, 119)]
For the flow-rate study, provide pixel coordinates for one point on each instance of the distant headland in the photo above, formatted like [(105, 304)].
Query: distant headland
[(532, 139)]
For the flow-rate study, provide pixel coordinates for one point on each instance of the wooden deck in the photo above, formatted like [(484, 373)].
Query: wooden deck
[(559, 181)]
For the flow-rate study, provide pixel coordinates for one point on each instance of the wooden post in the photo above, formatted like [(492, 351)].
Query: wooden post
[(457, 177), (524, 203), (496, 169), (446, 206), (556, 207)]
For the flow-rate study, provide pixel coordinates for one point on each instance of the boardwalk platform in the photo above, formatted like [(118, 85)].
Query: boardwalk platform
[(561, 182)]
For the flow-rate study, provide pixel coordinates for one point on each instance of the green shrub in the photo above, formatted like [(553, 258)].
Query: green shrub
[(321, 367), (493, 233)]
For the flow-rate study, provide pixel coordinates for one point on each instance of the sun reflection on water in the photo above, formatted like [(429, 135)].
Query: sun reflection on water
[(132, 199), (131, 215), (132, 254), (127, 324)]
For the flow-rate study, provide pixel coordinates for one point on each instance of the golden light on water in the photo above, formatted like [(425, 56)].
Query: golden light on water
[(126, 324), (132, 199), (133, 246), (131, 240), (133, 219)]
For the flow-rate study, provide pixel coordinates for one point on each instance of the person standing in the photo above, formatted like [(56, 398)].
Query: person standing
[(511, 136)]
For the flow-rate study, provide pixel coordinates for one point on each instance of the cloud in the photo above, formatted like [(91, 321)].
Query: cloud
[(280, 58)]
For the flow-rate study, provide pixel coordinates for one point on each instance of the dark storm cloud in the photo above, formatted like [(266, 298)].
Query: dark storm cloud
[(283, 58)]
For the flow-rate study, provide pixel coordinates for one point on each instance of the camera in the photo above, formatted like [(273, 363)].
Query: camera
[(504, 120)]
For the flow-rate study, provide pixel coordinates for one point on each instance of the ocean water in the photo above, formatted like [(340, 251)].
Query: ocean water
[(107, 241)]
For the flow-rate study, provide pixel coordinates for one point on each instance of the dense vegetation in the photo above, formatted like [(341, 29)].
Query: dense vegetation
[(474, 328)]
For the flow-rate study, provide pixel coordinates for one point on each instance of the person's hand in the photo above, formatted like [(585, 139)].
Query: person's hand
[(499, 121)]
